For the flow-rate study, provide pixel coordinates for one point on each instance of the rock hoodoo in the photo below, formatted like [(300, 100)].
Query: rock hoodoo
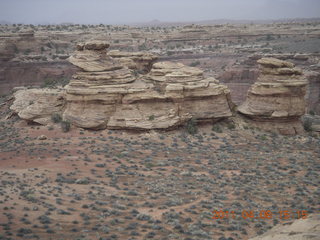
[(107, 93), (276, 101)]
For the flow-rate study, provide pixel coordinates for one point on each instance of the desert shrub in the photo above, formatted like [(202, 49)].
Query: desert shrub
[(151, 117), (142, 47), (216, 128), (65, 126), (50, 82), (56, 118), (27, 51), (231, 125), (311, 112), (191, 126), (307, 125), (263, 137), (196, 63)]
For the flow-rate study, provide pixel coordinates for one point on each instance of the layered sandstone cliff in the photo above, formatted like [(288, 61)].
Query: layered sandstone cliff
[(106, 93), (276, 101)]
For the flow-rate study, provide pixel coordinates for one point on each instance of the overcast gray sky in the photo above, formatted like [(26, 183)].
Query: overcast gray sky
[(128, 11)]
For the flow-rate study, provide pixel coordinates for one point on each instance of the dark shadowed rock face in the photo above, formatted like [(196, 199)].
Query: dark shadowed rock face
[(14, 74), (239, 80), (313, 91)]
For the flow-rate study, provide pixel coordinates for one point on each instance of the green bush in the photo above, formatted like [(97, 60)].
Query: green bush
[(307, 125), (56, 118), (196, 63), (65, 126), (217, 129), (51, 83), (231, 125), (191, 126), (151, 117)]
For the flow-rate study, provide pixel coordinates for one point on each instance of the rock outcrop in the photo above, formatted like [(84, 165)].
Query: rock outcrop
[(140, 61), (38, 105), (301, 229), (106, 93), (276, 101)]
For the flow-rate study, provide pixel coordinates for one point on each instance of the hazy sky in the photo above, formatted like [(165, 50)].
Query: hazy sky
[(127, 11)]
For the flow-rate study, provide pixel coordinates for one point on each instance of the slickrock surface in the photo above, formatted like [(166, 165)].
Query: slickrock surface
[(302, 229), (276, 101), (38, 105), (107, 94)]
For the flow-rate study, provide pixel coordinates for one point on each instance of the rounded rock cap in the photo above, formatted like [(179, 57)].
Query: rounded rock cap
[(275, 63)]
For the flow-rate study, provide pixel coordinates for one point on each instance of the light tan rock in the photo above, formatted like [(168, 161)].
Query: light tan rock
[(96, 45), (174, 73), (167, 97), (141, 61), (94, 61), (276, 101), (301, 229), (105, 93), (38, 105), (274, 63), (42, 137)]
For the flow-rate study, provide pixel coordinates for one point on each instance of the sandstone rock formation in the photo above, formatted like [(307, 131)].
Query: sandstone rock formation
[(38, 105), (141, 61), (276, 101), (302, 229), (107, 94)]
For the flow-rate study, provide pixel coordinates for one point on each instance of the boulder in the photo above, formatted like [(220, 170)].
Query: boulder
[(38, 105), (42, 137)]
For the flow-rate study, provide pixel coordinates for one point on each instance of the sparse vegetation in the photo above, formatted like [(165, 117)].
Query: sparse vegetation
[(217, 128), (52, 83), (191, 126), (307, 124), (65, 126), (159, 184), (194, 64), (56, 118)]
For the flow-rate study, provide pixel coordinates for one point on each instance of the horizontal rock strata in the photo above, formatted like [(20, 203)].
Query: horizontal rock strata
[(107, 93), (276, 101)]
